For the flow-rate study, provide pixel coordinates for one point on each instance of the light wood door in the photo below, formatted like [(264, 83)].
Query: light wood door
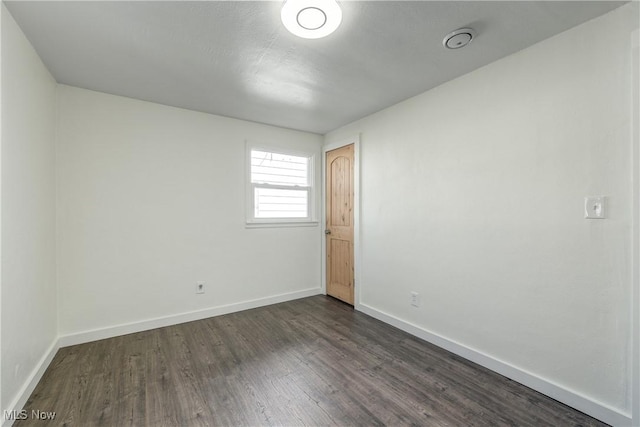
[(339, 225)]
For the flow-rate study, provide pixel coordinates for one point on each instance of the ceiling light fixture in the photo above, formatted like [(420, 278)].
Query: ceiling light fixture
[(311, 19), (459, 38)]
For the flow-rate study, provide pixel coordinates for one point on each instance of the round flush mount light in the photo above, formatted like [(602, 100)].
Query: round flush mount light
[(311, 19), (459, 38)]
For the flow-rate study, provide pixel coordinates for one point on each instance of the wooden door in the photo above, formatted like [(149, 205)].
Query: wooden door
[(339, 225)]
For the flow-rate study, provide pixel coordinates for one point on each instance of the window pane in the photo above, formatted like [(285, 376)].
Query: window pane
[(278, 203), (279, 169)]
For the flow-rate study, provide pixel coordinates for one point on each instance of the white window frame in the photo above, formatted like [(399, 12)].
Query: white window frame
[(251, 220)]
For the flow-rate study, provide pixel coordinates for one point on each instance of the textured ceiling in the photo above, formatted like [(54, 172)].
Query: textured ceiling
[(236, 59)]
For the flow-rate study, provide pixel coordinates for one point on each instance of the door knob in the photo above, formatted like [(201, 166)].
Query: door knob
[(327, 231)]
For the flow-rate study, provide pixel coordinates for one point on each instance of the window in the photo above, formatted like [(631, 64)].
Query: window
[(280, 187)]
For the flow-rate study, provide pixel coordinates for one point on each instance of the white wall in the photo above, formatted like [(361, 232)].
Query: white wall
[(28, 212), (472, 195), (151, 200)]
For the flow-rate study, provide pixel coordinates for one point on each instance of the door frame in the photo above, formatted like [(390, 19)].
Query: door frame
[(357, 276)]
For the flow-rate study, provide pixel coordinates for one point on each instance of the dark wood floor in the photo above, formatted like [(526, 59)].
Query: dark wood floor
[(307, 362)]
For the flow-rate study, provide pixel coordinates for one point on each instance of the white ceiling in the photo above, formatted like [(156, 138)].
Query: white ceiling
[(236, 59)]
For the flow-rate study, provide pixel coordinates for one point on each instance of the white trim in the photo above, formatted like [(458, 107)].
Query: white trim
[(635, 235), (160, 322), (355, 140), (32, 381), (281, 224), (562, 394)]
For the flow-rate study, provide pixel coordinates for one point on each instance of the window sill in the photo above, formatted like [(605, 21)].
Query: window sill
[(281, 224)]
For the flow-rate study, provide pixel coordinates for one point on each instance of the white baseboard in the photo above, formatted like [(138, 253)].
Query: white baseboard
[(98, 334), (568, 397), (562, 394), (145, 325), (31, 383)]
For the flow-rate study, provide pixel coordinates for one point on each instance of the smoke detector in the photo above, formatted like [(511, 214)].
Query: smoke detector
[(459, 38)]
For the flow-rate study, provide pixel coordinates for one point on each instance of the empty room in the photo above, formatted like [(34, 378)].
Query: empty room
[(320, 212)]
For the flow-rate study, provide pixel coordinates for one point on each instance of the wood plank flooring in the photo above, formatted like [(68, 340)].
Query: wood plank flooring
[(313, 361)]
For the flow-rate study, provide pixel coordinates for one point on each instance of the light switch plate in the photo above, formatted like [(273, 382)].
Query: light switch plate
[(594, 207)]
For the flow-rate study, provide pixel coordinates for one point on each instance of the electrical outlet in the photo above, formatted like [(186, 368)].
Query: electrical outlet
[(415, 299), (594, 207), (199, 287)]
